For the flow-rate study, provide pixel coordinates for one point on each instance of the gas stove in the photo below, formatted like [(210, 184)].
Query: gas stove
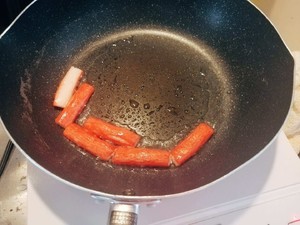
[(264, 191)]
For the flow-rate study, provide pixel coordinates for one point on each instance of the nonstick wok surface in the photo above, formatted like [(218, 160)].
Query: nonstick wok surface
[(159, 68)]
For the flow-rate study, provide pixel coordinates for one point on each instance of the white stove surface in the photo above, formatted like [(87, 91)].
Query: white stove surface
[(265, 191)]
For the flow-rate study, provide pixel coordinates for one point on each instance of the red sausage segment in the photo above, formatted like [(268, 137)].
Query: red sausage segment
[(143, 157), (75, 106), (191, 144), (107, 131), (89, 141)]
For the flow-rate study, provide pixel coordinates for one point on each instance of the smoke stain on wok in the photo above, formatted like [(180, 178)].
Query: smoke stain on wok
[(157, 83)]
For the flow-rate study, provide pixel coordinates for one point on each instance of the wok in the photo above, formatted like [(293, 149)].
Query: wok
[(159, 68)]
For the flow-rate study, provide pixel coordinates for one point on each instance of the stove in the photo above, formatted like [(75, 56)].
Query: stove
[(264, 191)]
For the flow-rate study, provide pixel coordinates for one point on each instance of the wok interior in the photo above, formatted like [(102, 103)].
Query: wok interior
[(157, 83), (158, 72)]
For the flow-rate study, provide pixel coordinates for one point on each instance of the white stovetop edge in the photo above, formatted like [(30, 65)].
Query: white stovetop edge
[(274, 174)]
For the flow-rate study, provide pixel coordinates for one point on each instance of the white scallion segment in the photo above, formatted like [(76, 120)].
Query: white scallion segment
[(67, 87)]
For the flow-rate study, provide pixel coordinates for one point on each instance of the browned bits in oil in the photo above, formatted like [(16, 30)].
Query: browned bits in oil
[(129, 192), (133, 103), (159, 108)]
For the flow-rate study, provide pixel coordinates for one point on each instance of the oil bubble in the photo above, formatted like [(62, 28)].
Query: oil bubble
[(172, 110), (147, 106)]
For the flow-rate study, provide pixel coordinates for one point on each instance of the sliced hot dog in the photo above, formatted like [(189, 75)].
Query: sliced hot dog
[(89, 141), (190, 145), (142, 157), (108, 131)]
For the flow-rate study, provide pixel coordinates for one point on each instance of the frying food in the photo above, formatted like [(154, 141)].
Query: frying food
[(108, 131), (67, 87), (75, 106), (89, 141), (130, 156), (191, 144), (118, 144)]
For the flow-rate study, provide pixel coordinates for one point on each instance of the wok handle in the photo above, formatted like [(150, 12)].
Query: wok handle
[(123, 214)]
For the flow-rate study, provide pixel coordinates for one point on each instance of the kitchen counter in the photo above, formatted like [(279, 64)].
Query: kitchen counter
[(284, 15), (13, 185)]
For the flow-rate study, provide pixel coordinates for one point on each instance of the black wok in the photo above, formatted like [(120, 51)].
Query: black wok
[(159, 68)]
